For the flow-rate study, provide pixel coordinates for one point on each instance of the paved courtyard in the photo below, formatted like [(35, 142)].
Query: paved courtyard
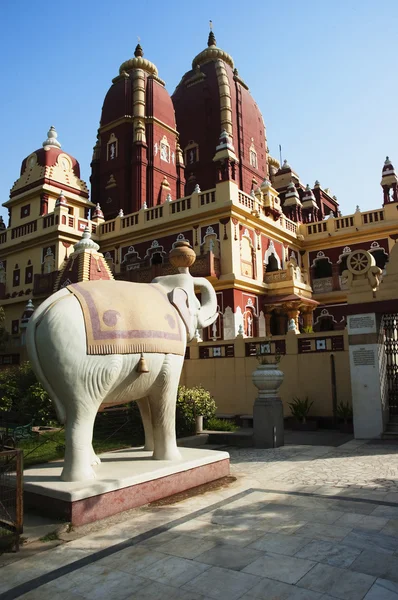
[(299, 523)]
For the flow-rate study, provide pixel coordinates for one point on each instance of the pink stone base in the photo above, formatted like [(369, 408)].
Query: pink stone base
[(104, 505)]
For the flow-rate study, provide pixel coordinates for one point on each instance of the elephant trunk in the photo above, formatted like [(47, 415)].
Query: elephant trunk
[(208, 312)]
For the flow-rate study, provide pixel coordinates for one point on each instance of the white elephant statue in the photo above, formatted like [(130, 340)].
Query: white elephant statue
[(86, 358)]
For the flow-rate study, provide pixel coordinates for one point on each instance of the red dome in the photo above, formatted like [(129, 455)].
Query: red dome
[(137, 158), (48, 158), (201, 117)]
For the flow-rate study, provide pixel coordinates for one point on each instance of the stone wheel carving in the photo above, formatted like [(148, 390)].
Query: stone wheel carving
[(359, 262)]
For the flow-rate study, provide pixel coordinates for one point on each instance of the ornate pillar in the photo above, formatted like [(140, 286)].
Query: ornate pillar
[(308, 317), (293, 313), (267, 316)]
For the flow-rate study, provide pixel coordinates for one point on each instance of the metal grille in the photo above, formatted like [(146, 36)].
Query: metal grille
[(11, 497), (390, 325)]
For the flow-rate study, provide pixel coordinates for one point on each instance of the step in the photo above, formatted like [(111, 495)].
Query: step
[(393, 427), (242, 438)]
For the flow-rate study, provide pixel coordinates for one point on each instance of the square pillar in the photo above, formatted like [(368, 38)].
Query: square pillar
[(368, 375)]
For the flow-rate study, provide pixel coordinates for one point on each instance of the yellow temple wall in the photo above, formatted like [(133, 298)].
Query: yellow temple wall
[(306, 374)]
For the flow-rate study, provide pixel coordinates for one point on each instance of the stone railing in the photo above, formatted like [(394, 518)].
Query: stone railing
[(350, 222)]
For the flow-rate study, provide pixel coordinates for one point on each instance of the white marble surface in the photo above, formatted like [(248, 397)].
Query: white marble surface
[(117, 470)]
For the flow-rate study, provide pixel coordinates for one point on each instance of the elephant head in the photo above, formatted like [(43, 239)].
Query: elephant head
[(181, 292)]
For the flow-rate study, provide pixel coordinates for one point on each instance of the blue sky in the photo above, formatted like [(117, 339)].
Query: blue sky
[(323, 74)]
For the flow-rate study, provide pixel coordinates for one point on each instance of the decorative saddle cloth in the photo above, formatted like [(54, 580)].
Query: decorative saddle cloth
[(126, 318)]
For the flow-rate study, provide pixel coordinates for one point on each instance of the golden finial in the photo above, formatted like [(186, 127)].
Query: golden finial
[(212, 39)]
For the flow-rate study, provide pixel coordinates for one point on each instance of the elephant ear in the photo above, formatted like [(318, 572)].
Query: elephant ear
[(179, 299)]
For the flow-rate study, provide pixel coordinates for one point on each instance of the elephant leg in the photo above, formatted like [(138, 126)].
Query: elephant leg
[(145, 411), (162, 400), (78, 445)]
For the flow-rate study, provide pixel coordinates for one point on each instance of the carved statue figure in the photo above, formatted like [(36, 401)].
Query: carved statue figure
[(103, 343)]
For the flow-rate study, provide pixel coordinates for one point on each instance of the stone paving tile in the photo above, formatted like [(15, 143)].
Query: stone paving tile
[(286, 569), (339, 583), (158, 591), (49, 593), (382, 590), (364, 540), (391, 527), (268, 589), (219, 534), (378, 564), (287, 527), (222, 584), (371, 523), (186, 546), (336, 555), (323, 531), (228, 557), (174, 571), (390, 512), (279, 543), (131, 560), (111, 584), (320, 516)]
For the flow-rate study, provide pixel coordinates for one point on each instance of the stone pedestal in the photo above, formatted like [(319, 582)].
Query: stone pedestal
[(125, 479), (268, 426)]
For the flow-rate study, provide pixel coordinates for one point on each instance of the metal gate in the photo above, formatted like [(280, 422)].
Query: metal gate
[(390, 326), (11, 497)]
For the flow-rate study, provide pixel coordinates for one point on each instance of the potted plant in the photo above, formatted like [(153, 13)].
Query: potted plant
[(300, 408), (344, 412)]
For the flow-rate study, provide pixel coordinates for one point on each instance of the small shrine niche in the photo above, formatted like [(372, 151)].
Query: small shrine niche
[(247, 255), (272, 262), (112, 147), (250, 319), (210, 243), (253, 155), (49, 261), (164, 149), (191, 153)]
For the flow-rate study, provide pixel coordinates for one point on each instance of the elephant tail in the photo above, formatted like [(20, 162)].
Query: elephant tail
[(34, 321)]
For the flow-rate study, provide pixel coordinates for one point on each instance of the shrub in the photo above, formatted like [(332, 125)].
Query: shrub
[(21, 392), (193, 402), (300, 408), (215, 424)]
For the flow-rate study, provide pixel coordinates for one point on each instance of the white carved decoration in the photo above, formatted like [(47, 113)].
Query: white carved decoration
[(229, 324), (261, 325), (271, 250)]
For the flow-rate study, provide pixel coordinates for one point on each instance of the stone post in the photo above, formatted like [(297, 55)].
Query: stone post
[(268, 425), (367, 368)]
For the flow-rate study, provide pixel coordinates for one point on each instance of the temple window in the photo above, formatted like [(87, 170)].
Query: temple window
[(165, 150), (157, 258), (380, 257), (25, 211), (191, 153), (29, 274), (112, 147), (15, 327), (16, 276), (322, 268), (272, 264)]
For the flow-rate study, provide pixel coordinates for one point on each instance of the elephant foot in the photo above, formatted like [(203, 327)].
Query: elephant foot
[(167, 454), (95, 460), (148, 448), (78, 474)]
